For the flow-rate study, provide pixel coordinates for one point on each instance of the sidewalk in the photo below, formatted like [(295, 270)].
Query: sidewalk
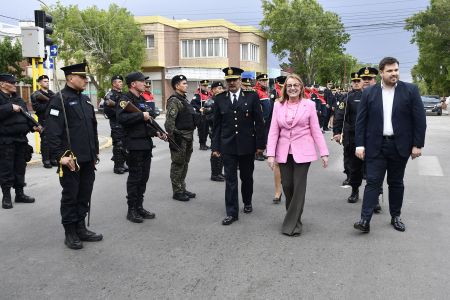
[(104, 142)]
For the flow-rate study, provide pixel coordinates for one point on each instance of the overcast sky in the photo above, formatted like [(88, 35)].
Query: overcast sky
[(370, 40)]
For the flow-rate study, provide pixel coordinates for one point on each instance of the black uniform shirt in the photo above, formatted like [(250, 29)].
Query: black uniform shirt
[(82, 126), (238, 128), (137, 133), (347, 110), (40, 101), (13, 125), (111, 111)]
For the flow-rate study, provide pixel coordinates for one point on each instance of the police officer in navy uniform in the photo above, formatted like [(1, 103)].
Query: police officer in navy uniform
[(198, 102), (110, 109), (138, 144), (216, 161), (77, 159), (13, 142), (40, 100), (238, 134), (344, 131)]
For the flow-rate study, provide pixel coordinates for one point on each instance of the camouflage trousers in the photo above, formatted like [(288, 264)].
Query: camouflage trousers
[(179, 166)]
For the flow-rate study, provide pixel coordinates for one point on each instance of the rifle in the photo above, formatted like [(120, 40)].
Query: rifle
[(131, 108), (30, 118)]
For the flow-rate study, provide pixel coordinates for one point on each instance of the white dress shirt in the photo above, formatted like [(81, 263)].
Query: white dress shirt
[(388, 101), (238, 92)]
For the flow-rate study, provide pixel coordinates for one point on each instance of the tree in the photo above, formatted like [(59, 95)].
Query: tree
[(10, 57), (431, 33), (109, 40), (312, 39)]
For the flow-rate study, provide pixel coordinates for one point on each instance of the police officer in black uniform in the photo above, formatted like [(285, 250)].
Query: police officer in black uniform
[(198, 102), (14, 147), (78, 157), (216, 161), (111, 100), (344, 131), (138, 144), (40, 100), (238, 135)]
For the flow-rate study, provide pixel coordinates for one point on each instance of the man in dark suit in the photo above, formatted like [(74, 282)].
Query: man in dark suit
[(238, 134), (390, 127)]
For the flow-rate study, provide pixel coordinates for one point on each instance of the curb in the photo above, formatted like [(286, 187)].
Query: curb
[(105, 145)]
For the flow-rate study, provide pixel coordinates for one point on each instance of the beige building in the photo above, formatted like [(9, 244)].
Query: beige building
[(198, 50)]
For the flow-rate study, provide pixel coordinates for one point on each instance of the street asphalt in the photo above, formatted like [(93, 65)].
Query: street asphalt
[(185, 253)]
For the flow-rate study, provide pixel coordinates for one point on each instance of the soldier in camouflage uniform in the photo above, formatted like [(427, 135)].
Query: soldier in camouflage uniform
[(180, 125)]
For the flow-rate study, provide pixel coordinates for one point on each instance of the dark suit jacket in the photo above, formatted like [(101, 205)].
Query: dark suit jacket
[(238, 128), (408, 119)]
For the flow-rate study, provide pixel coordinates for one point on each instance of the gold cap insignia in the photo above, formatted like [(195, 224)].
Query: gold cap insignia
[(366, 71), (123, 104), (230, 71)]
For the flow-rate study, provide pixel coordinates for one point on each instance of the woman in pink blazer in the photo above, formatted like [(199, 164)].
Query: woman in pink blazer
[(293, 134)]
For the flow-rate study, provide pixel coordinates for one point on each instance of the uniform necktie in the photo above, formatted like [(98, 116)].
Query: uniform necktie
[(234, 99)]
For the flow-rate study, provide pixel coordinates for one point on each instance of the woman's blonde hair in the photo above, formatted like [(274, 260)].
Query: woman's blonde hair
[(284, 95)]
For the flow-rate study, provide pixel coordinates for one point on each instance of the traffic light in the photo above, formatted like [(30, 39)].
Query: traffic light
[(43, 20)]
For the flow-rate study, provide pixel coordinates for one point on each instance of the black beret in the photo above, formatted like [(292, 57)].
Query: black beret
[(115, 77), (177, 79), (262, 77), (42, 77), (232, 72), (6, 77), (77, 69), (135, 76), (216, 84)]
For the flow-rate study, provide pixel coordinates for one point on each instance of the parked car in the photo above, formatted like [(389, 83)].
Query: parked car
[(432, 105)]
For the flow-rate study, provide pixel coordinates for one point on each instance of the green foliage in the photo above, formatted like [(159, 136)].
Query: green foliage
[(10, 57), (109, 40), (312, 39), (431, 33)]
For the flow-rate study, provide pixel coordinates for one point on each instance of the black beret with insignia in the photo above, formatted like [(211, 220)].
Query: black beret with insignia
[(177, 79), (115, 77), (6, 77), (42, 77), (216, 84)]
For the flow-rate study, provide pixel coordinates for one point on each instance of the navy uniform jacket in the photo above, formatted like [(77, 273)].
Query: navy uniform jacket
[(82, 126), (408, 119), (347, 110), (238, 128)]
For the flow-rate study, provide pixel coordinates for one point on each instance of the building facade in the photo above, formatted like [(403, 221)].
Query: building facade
[(198, 50)]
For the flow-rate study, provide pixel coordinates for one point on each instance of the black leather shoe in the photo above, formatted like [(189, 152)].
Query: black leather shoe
[(217, 178), (398, 224), (72, 240), (180, 197), (47, 164), (346, 182), (277, 200), (54, 162), (145, 213), (190, 194), (203, 147), (86, 235), (6, 200), (362, 225), (354, 197), (377, 208), (119, 170), (133, 216), (248, 209), (229, 220), (22, 198)]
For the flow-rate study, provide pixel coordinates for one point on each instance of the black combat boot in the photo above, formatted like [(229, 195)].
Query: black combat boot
[(118, 159), (72, 240), (21, 197), (354, 197), (180, 196), (85, 234), (133, 215), (47, 164), (203, 146), (54, 162), (6, 200), (145, 214)]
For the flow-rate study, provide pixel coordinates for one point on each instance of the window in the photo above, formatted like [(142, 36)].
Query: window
[(250, 52), (150, 41), (216, 47)]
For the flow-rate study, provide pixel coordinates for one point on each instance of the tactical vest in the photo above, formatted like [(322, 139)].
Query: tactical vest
[(185, 117)]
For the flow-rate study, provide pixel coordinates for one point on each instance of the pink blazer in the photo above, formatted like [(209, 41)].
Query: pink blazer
[(301, 135)]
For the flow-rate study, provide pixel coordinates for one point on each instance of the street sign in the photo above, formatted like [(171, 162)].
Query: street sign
[(48, 64), (53, 50)]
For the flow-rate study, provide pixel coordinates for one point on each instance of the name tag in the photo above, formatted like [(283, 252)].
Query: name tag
[(54, 112), (73, 103), (357, 100)]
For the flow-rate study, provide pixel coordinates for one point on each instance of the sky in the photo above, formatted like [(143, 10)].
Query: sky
[(370, 40)]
